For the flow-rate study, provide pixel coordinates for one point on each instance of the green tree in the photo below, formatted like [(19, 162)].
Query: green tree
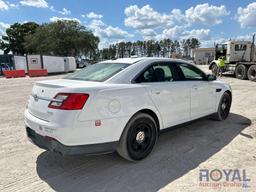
[(14, 38), (63, 38), (194, 43)]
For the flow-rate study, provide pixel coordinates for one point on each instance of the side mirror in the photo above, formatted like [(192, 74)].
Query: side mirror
[(211, 77)]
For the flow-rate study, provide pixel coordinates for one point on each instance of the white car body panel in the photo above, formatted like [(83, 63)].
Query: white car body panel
[(115, 101)]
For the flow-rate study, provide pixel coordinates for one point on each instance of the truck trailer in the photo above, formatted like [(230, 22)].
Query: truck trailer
[(239, 58), (53, 64)]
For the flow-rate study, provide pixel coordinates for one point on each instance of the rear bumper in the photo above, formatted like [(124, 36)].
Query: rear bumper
[(53, 145)]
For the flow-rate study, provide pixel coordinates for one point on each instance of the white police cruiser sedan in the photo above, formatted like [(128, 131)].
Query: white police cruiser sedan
[(121, 105)]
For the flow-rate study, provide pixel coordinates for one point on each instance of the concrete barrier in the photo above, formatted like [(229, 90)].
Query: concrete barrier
[(37, 72), (14, 73)]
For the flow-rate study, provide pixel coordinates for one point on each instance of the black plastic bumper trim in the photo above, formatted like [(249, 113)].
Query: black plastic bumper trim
[(55, 146)]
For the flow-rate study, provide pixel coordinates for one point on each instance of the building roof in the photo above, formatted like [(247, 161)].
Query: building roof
[(203, 49)]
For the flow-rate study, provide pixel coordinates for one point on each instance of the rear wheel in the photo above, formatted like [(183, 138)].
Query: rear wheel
[(252, 73), (224, 107), (138, 138), (241, 72)]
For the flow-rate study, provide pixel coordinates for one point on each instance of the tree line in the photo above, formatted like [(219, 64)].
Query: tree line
[(60, 38), (150, 48), (70, 38)]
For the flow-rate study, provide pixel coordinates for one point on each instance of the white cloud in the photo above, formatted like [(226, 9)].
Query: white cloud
[(206, 14), (54, 19), (12, 5), (34, 3), (179, 33), (3, 27), (202, 34), (3, 5), (171, 33), (64, 11), (147, 18), (107, 34), (247, 16), (104, 31), (93, 15), (144, 18), (148, 34), (247, 37), (176, 24)]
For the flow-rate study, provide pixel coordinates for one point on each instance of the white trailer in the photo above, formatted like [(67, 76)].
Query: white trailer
[(34, 62), (20, 62), (53, 64), (70, 64)]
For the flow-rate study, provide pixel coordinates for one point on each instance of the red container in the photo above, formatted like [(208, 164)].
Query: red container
[(37, 73)]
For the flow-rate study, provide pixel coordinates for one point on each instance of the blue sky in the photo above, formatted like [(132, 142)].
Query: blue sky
[(130, 20)]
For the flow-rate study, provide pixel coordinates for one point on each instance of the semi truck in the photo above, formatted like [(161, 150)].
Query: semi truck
[(239, 58)]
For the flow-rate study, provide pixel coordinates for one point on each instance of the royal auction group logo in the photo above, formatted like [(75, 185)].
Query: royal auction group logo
[(223, 178)]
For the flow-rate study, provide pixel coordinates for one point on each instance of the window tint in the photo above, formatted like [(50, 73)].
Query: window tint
[(158, 72), (189, 72), (98, 72)]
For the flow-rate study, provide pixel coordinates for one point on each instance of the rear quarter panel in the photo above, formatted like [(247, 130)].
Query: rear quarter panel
[(115, 106)]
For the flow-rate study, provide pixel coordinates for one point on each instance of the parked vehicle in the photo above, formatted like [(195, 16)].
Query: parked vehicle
[(240, 59), (121, 105)]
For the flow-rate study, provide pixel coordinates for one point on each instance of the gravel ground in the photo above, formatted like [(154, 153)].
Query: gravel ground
[(174, 165)]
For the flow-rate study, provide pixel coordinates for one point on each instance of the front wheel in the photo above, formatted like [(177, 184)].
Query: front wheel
[(223, 108), (138, 138), (215, 69)]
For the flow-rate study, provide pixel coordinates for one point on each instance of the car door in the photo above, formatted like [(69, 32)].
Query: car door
[(170, 98), (202, 94)]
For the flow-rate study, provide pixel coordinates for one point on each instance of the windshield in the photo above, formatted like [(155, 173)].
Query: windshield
[(221, 47), (98, 72)]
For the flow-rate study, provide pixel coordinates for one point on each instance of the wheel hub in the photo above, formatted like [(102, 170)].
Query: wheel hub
[(223, 106), (140, 137)]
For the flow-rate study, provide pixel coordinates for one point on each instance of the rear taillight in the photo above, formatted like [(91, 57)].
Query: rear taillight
[(69, 101)]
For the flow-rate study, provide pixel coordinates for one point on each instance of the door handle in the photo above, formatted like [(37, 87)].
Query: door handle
[(156, 92), (195, 87)]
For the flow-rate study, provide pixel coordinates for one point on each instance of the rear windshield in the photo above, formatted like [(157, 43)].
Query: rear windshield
[(98, 72)]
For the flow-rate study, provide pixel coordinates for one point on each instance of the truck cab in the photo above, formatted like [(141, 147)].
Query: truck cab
[(239, 58), (234, 51)]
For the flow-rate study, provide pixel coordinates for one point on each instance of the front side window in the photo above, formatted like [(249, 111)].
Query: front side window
[(189, 72), (158, 72), (98, 72)]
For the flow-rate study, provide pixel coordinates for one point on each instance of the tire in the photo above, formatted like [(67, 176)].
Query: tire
[(215, 69), (252, 73), (223, 108), (139, 138), (241, 72)]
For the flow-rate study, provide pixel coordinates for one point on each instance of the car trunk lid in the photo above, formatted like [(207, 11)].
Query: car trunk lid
[(44, 92)]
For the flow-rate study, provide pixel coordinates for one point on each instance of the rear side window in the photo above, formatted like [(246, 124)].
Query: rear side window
[(189, 72), (240, 47), (98, 72), (158, 72)]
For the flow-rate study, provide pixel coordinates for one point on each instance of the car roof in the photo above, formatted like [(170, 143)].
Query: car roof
[(132, 60)]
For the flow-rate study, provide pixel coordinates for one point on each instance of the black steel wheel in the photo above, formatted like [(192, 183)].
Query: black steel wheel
[(215, 69), (241, 72), (252, 73), (138, 138), (224, 107)]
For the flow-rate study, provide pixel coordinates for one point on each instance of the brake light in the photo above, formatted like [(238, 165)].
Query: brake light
[(69, 101)]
